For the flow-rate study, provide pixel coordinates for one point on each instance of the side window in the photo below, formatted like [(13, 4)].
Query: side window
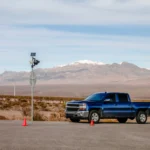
[(123, 98), (112, 97)]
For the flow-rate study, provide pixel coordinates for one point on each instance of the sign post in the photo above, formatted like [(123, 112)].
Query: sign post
[(33, 82), (14, 88)]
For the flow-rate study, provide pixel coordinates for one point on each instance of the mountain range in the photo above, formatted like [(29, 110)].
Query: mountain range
[(80, 72)]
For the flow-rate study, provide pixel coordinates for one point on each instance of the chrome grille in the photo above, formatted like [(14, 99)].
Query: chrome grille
[(72, 107)]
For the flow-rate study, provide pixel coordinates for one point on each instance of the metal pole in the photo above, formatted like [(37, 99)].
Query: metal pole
[(33, 82), (14, 88), (32, 97)]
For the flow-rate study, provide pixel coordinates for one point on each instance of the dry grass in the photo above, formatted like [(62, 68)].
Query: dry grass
[(3, 118), (141, 100), (26, 111), (39, 117), (38, 98), (45, 108)]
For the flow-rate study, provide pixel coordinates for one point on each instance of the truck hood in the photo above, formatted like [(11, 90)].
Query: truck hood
[(81, 101), (77, 102)]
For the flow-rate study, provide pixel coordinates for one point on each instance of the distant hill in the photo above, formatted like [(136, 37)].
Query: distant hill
[(81, 72)]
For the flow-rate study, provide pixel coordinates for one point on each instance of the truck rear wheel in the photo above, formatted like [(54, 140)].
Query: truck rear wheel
[(122, 120), (75, 120), (95, 116), (141, 117)]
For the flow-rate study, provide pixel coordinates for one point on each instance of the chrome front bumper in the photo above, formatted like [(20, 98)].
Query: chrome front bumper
[(79, 114)]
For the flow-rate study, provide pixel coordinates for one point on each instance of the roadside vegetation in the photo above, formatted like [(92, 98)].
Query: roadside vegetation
[(45, 108)]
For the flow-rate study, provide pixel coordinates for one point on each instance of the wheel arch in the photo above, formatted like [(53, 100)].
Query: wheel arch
[(142, 109), (97, 109)]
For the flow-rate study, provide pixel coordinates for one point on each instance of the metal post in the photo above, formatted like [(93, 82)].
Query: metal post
[(32, 98), (14, 88), (32, 83)]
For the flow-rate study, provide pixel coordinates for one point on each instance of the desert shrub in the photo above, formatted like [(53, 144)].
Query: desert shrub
[(64, 105), (1, 103), (45, 109), (24, 104), (49, 104), (7, 99), (56, 105), (23, 100), (3, 118), (62, 113), (40, 98), (36, 106), (42, 105), (26, 111), (55, 117), (6, 106), (39, 117), (15, 103)]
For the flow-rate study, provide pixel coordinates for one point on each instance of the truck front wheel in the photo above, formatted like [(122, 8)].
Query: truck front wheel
[(122, 120), (141, 117), (94, 115)]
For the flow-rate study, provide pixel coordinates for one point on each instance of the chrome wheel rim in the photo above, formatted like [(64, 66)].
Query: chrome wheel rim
[(142, 117), (95, 117)]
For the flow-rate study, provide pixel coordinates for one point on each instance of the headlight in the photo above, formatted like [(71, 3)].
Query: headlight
[(82, 106)]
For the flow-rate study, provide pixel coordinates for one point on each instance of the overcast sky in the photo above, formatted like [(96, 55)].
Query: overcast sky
[(64, 31)]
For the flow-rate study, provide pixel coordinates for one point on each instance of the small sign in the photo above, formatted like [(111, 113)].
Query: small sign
[(33, 54)]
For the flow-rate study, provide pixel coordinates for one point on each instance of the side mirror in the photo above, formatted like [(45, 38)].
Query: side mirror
[(108, 101)]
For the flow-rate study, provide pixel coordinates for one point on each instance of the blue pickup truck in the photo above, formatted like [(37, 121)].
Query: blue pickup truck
[(108, 105)]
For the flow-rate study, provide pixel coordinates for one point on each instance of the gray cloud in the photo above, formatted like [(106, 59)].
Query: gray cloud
[(123, 1), (15, 38), (74, 12)]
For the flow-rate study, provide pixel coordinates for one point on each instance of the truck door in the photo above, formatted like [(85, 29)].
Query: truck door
[(109, 106), (124, 107)]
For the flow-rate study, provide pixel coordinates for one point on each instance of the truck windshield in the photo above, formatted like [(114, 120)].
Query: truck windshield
[(96, 97)]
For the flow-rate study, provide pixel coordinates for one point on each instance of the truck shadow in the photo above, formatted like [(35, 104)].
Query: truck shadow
[(119, 123), (111, 123)]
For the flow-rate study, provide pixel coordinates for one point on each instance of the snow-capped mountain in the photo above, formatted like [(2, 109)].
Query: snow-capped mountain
[(88, 62), (82, 62), (84, 71)]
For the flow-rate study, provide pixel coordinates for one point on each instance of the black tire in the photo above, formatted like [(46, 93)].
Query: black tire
[(97, 116), (122, 120), (141, 117), (75, 120)]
